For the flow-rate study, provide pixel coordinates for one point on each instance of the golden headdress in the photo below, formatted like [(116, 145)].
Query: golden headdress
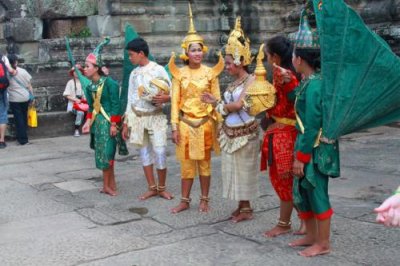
[(191, 37), (238, 45), (261, 93)]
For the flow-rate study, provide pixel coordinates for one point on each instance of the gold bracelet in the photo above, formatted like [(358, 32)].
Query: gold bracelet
[(174, 127)]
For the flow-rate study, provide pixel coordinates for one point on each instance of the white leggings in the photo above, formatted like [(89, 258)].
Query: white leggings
[(159, 158)]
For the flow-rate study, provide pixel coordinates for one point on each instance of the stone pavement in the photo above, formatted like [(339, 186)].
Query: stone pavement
[(51, 211)]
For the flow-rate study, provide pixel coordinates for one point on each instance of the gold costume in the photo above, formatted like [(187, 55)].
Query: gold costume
[(195, 120)]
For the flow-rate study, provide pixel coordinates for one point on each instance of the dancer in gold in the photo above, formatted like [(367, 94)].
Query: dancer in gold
[(193, 122)]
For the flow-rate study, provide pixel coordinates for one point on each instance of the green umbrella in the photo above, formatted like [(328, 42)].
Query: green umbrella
[(361, 75)]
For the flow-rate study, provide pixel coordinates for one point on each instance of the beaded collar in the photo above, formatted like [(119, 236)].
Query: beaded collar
[(94, 85)]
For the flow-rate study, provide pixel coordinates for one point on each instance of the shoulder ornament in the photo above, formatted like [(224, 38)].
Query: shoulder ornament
[(219, 67), (175, 71)]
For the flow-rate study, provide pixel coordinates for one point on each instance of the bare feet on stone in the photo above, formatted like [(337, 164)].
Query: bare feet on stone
[(301, 242), (315, 250), (277, 231), (166, 195), (235, 212), (181, 207), (243, 216), (148, 194), (203, 206), (108, 191)]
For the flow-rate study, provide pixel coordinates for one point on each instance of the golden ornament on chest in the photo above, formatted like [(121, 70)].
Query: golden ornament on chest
[(261, 93)]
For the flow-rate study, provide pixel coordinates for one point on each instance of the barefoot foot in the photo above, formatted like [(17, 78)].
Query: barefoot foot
[(148, 194), (166, 195), (203, 206), (108, 191), (315, 250), (245, 214), (304, 241), (235, 213), (181, 207), (278, 230)]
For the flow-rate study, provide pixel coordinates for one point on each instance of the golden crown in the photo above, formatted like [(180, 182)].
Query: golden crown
[(191, 37), (238, 45)]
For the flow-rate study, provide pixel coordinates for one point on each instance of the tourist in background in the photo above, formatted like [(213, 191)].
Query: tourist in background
[(76, 99), (20, 95)]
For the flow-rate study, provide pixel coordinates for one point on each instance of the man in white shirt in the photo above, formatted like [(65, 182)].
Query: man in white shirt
[(149, 87)]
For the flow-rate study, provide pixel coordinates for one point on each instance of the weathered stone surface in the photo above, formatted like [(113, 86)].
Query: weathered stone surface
[(59, 28), (2, 26), (41, 224), (28, 51), (25, 29), (66, 8), (75, 185), (101, 26), (104, 7), (27, 203)]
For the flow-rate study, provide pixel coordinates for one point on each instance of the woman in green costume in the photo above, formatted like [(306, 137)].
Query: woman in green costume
[(104, 114), (312, 153)]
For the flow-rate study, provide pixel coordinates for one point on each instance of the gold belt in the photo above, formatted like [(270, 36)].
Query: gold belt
[(140, 113), (194, 124), (285, 121), (234, 132)]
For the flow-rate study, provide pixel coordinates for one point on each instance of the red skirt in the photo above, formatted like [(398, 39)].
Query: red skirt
[(277, 153)]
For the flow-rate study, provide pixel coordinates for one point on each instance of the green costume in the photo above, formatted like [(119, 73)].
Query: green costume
[(100, 139), (310, 194), (319, 155)]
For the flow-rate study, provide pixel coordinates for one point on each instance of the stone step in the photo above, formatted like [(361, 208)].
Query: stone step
[(50, 124)]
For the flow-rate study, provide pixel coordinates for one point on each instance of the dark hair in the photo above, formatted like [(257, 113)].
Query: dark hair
[(100, 71), (12, 58), (138, 45), (282, 47), (311, 56)]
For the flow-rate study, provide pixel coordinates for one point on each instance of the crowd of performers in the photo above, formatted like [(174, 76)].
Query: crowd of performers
[(292, 148)]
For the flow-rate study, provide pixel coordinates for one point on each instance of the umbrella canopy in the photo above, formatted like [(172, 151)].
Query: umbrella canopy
[(361, 77)]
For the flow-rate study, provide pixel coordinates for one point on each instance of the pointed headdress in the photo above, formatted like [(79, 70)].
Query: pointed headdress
[(95, 56), (191, 37), (239, 45)]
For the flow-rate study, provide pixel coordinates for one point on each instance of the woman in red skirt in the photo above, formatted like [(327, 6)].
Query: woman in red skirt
[(280, 136)]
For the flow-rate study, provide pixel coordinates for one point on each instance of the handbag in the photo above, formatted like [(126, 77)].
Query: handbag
[(82, 106), (32, 116)]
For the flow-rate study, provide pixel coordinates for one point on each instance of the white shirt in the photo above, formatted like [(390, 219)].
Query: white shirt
[(238, 118), (70, 90), (18, 90), (141, 77)]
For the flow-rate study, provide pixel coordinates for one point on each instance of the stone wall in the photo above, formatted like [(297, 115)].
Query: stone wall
[(34, 29)]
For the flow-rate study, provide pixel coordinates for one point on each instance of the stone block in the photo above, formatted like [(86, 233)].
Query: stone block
[(59, 28), (2, 31), (52, 124), (52, 9), (28, 51), (25, 29), (77, 24), (104, 7), (171, 25), (141, 24), (104, 26)]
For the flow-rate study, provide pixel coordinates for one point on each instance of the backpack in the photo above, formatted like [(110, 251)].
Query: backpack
[(4, 82)]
